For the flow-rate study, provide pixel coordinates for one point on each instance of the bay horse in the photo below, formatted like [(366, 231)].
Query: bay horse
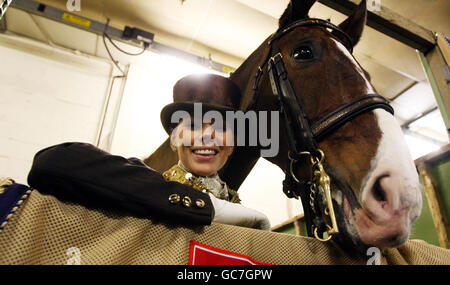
[(374, 185)]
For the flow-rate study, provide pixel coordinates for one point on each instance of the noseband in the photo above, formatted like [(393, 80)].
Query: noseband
[(302, 137)]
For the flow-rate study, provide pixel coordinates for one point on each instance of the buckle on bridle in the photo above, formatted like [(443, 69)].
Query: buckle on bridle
[(289, 188), (272, 59), (294, 160)]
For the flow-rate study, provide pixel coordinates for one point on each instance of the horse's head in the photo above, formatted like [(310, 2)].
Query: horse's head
[(375, 186)]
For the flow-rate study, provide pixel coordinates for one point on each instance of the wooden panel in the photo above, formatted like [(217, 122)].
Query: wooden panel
[(390, 23), (432, 191)]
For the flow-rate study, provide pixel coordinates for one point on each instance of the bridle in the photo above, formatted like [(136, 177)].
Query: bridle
[(302, 137)]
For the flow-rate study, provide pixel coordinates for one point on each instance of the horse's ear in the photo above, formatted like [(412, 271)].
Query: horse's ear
[(296, 10), (354, 25)]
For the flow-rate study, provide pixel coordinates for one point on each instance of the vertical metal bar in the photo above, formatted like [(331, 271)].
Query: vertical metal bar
[(439, 90), (117, 111), (105, 106)]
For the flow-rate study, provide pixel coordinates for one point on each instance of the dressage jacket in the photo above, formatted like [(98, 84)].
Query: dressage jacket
[(84, 174)]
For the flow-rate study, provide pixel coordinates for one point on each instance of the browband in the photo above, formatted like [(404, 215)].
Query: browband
[(345, 39)]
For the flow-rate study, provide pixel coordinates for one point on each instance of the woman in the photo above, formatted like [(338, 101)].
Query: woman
[(199, 162), (203, 146), (204, 140), (84, 174)]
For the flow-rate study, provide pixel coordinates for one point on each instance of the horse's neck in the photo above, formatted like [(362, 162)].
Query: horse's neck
[(163, 158), (244, 75), (243, 159)]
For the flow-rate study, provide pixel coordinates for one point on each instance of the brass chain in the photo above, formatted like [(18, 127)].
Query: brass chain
[(322, 181)]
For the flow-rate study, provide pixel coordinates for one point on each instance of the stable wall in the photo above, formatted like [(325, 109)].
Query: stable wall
[(47, 96)]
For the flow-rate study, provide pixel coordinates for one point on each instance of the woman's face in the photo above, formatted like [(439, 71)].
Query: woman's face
[(204, 149)]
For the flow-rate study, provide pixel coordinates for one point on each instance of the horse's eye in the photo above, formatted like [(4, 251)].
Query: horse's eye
[(303, 53)]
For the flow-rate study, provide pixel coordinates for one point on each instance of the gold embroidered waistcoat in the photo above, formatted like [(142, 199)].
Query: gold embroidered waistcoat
[(180, 175)]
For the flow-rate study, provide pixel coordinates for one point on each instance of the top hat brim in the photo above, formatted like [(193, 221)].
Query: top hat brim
[(168, 110)]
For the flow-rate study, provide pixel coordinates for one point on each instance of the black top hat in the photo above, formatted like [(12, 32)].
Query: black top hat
[(215, 92)]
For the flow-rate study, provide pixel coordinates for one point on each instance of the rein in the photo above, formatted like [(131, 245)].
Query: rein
[(302, 138)]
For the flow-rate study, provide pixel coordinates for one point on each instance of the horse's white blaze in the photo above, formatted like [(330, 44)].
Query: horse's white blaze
[(393, 157)]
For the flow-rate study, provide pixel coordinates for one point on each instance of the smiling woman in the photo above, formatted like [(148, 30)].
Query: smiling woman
[(202, 147)]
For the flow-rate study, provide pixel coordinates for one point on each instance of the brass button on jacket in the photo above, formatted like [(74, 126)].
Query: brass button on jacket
[(187, 201), (200, 203), (174, 198)]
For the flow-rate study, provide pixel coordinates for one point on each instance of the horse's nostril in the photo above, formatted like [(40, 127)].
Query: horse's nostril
[(393, 238), (378, 192)]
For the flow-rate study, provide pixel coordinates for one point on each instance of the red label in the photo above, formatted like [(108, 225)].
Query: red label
[(202, 254)]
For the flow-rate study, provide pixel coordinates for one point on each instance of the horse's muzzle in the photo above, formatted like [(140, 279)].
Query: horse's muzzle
[(387, 212)]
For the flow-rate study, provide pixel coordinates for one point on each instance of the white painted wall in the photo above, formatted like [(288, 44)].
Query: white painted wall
[(47, 96), (148, 89)]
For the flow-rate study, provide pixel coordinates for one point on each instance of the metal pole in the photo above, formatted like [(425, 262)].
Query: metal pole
[(99, 28)]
